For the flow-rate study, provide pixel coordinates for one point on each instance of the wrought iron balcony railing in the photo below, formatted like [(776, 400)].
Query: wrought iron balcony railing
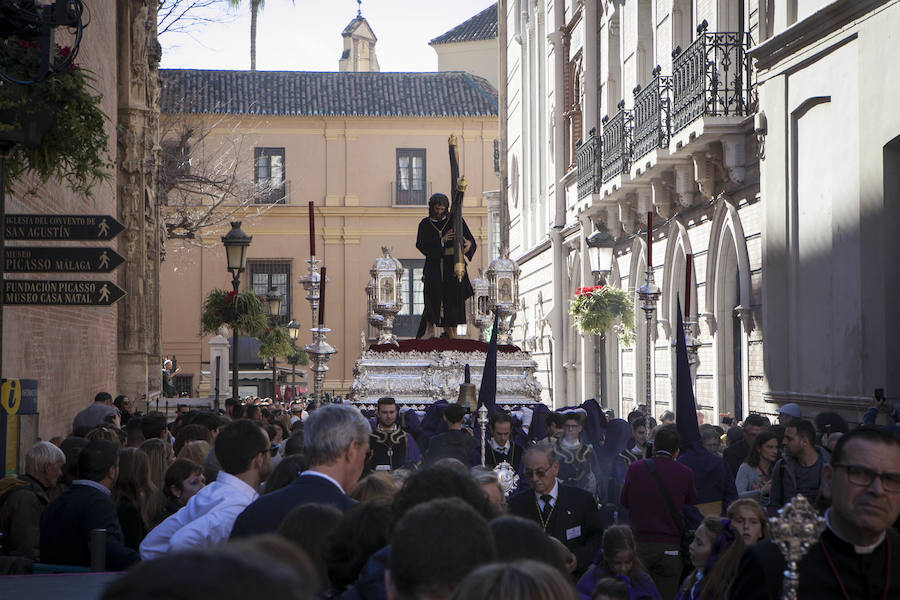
[(711, 77), (588, 159), (652, 115), (616, 146)]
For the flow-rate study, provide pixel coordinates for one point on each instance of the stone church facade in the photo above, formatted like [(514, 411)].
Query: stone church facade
[(76, 352), (621, 108)]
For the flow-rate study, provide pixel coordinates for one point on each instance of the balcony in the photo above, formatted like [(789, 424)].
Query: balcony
[(616, 145), (588, 159), (711, 77), (652, 115)]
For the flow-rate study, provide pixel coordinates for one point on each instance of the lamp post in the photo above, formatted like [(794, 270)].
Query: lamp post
[(236, 243), (600, 252), (294, 331), (649, 295), (273, 306), (600, 245)]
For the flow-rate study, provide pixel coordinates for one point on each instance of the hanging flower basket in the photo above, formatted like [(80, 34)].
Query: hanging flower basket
[(242, 311), (598, 309), (275, 342), (57, 122)]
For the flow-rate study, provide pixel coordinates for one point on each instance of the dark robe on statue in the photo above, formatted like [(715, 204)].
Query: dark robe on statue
[(445, 295)]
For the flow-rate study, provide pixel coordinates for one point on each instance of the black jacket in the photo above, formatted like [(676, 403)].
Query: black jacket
[(863, 575), (735, 454), (574, 521), (265, 514), (450, 444), (66, 526)]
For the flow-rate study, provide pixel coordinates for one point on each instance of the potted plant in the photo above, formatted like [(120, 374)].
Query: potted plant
[(56, 122), (597, 309), (242, 311)]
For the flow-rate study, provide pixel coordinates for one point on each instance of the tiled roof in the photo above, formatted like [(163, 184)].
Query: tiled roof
[(309, 93), (482, 26)]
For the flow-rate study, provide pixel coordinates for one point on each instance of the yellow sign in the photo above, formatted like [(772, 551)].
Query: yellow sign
[(11, 399)]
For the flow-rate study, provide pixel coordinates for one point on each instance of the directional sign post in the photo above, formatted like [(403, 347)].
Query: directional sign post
[(46, 259), (97, 228), (49, 292)]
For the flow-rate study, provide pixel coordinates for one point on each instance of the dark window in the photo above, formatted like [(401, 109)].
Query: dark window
[(264, 274), (406, 323), (268, 175), (183, 384), (410, 176)]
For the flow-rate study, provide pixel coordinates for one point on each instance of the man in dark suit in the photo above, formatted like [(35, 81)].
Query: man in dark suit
[(500, 447), (857, 554), (566, 513), (67, 522), (336, 441)]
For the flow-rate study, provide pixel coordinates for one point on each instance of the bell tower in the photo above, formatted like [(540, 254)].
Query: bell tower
[(359, 46)]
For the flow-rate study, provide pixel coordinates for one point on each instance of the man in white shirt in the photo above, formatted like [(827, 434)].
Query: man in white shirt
[(242, 448)]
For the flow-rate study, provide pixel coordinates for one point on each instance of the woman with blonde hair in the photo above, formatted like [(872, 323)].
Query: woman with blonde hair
[(195, 451), (161, 456), (520, 580)]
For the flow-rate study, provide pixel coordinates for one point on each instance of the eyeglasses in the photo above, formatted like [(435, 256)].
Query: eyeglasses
[(272, 450), (864, 477), (539, 473)]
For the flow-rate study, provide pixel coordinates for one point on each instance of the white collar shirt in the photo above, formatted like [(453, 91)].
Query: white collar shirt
[(554, 494), (205, 521)]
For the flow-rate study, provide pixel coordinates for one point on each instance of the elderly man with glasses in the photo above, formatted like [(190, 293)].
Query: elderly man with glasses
[(566, 513), (858, 555)]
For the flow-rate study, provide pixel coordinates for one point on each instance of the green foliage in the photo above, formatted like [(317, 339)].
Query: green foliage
[(242, 311), (275, 342), (596, 310), (298, 357), (75, 147)]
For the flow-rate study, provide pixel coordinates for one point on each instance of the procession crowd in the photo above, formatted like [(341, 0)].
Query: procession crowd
[(338, 502)]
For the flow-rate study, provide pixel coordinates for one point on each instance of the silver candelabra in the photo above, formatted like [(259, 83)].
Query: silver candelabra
[(649, 295), (319, 350)]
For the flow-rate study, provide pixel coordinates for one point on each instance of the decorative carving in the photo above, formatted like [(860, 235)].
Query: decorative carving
[(423, 377)]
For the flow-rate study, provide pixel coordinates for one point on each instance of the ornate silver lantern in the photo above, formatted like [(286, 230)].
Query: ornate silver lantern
[(479, 305), (386, 273), (503, 289)]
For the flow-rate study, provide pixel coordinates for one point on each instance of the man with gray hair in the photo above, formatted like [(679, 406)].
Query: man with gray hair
[(566, 513), (336, 442), (23, 498)]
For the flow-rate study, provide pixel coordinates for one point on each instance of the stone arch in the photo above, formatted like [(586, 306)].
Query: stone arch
[(677, 248), (727, 308)]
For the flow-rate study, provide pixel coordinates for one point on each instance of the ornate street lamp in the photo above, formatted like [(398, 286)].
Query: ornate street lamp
[(600, 253), (273, 307), (293, 329), (236, 243)]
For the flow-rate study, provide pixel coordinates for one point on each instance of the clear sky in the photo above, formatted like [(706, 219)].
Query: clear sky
[(306, 35)]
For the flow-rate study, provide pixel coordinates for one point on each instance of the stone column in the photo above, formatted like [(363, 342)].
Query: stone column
[(139, 362)]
